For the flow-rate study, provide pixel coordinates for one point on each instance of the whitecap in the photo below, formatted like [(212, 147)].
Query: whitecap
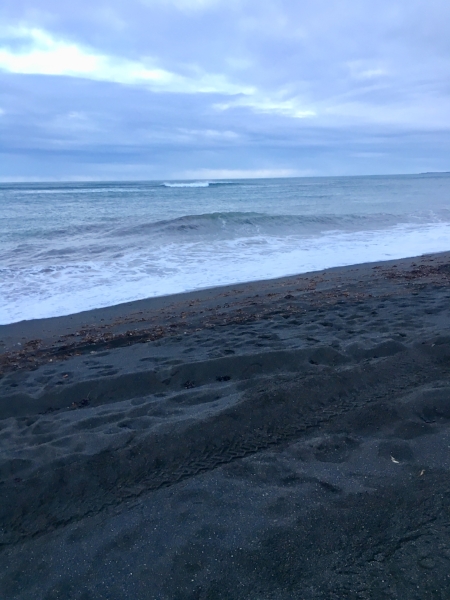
[(193, 184)]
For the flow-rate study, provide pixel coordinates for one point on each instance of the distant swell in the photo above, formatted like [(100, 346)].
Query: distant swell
[(197, 184)]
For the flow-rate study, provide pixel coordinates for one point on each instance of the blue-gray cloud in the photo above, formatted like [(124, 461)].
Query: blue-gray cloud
[(153, 88)]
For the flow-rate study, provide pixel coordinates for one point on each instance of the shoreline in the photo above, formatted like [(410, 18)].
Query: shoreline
[(268, 440), (13, 333), (158, 301)]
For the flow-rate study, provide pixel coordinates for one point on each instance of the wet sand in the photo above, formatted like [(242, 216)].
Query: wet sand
[(274, 440)]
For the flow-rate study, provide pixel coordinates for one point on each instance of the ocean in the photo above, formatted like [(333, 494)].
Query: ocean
[(69, 247)]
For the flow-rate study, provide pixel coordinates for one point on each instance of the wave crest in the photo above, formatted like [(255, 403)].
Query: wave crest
[(238, 224), (195, 184)]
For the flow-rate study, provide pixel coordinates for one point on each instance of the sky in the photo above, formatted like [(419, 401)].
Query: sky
[(213, 89)]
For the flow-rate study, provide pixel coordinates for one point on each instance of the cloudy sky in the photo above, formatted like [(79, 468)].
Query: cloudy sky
[(157, 89)]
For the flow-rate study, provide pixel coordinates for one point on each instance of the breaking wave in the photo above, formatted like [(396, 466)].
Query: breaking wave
[(236, 224), (197, 184)]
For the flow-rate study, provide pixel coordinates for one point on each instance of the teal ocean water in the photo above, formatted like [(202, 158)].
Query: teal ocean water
[(69, 247)]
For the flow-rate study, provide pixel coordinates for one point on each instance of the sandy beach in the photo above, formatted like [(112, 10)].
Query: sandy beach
[(271, 440)]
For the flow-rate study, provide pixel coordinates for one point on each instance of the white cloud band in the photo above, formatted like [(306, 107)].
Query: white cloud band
[(41, 54)]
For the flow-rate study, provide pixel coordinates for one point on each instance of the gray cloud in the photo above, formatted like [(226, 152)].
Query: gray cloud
[(154, 89)]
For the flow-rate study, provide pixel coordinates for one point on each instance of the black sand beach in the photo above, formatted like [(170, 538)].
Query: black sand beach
[(274, 440)]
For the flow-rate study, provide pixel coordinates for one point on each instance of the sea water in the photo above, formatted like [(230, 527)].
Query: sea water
[(69, 247)]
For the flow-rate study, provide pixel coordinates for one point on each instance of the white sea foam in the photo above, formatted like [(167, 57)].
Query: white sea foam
[(177, 267)]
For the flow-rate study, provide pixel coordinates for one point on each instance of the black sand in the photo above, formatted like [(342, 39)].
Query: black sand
[(276, 440)]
